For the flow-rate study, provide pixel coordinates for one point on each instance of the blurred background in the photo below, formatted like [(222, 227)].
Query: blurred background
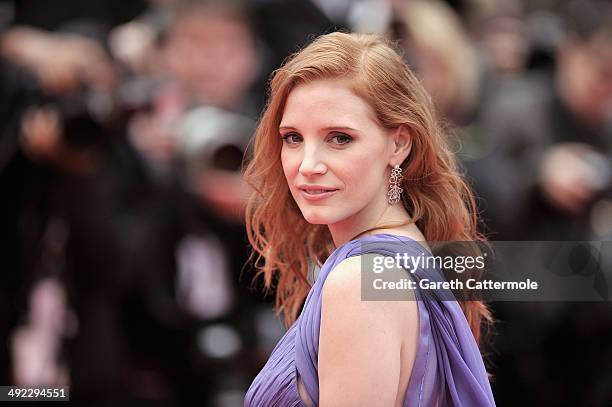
[(123, 126)]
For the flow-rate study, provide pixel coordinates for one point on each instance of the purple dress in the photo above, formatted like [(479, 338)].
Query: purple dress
[(448, 369)]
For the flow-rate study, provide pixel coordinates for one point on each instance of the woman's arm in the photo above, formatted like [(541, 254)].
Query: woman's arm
[(362, 344)]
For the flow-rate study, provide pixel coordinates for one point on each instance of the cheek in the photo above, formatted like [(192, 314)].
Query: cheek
[(290, 163), (362, 176)]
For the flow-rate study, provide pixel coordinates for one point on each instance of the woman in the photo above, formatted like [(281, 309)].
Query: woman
[(348, 146)]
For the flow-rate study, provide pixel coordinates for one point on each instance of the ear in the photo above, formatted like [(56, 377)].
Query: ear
[(402, 145)]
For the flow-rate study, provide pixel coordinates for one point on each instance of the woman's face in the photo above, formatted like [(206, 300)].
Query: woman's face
[(335, 155)]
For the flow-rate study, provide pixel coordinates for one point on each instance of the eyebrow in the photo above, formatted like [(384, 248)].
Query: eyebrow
[(328, 128)]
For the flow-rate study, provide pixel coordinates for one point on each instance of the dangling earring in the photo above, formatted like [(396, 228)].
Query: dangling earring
[(395, 190)]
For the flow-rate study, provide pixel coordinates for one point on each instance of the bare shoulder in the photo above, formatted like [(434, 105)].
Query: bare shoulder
[(366, 348), (345, 277), (341, 296)]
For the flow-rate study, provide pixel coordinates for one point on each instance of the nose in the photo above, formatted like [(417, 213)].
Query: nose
[(312, 163)]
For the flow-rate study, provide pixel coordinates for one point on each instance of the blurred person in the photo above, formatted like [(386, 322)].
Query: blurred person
[(460, 79), (438, 48), (195, 132), (344, 103), (551, 148), (138, 316), (210, 49), (208, 63), (71, 165), (205, 69), (499, 29), (148, 327), (550, 134), (38, 63)]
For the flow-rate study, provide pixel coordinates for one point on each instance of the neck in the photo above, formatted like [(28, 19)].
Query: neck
[(376, 219)]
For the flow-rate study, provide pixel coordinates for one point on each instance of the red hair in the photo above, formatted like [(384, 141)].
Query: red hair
[(436, 196)]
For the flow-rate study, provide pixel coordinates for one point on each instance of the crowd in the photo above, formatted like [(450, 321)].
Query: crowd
[(124, 127)]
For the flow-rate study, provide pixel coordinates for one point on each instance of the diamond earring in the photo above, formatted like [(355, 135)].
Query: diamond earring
[(395, 190)]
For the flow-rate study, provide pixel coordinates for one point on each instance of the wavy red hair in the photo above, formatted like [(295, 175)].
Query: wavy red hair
[(436, 196)]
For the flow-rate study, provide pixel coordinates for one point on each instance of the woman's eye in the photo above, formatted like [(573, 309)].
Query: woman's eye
[(341, 139), (292, 138)]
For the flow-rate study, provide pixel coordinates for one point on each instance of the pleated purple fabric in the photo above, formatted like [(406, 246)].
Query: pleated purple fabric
[(448, 369)]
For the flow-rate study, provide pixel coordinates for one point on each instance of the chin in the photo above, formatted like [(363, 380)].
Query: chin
[(320, 216), (315, 218)]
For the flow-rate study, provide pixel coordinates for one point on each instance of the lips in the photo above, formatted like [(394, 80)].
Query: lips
[(316, 192), (316, 189)]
